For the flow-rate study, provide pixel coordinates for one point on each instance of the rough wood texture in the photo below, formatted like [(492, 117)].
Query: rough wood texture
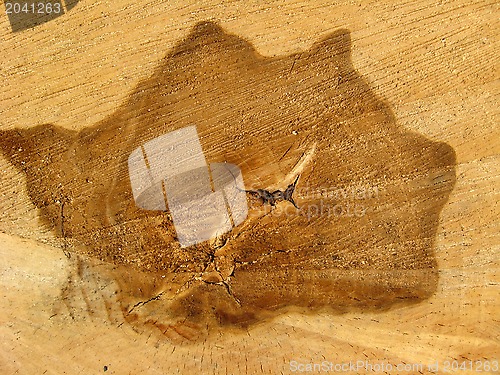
[(430, 68)]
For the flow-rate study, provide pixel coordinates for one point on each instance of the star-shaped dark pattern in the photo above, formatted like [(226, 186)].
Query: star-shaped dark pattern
[(369, 196)]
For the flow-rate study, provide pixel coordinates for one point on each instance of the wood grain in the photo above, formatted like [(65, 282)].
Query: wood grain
[(434, 64)]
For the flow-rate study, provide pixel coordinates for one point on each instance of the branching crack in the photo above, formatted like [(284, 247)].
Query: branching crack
[(230, 292)]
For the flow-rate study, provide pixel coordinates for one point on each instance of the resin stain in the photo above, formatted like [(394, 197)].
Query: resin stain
[(310, 114)]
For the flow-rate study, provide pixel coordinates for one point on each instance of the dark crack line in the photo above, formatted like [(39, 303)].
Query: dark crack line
[(226, 285), (63, 233), (286, 152), (294, 61), (230, 292), (142, 303)]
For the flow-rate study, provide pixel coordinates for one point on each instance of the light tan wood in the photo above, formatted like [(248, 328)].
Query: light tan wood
[(434, 63)]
